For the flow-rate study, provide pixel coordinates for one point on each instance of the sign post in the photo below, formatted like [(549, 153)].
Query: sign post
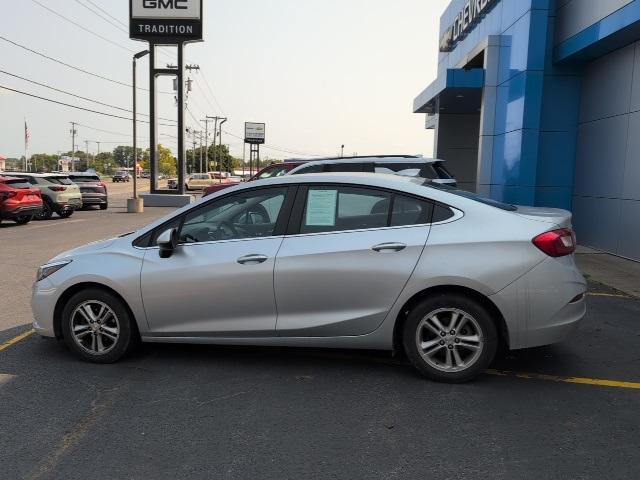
[(254, 135), (172, 23)]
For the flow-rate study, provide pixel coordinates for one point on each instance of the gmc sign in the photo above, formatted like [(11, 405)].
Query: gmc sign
[(166, 21)]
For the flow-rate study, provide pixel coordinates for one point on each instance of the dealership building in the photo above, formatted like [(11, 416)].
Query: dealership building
[(537, 102)]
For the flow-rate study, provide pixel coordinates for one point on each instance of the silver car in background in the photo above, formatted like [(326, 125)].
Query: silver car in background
[(328, 260)]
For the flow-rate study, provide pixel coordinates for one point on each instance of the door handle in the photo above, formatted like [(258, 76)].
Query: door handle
[(389, 247), (252, 259)]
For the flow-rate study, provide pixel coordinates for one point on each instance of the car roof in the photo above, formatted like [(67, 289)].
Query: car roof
[(4, 178), (416, 160), (37, 175), (82, 174)]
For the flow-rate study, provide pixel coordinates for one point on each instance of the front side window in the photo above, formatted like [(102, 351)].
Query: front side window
[(245, 215), (330, 209)]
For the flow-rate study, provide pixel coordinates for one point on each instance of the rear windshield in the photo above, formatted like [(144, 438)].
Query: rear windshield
[(85, 178), (17, 183), (471, 196), (59, 180)]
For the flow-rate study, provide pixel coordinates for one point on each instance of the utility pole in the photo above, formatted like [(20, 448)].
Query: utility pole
[(86, 146), (220, 143), (206, 121), (73, 144), (200, 151)]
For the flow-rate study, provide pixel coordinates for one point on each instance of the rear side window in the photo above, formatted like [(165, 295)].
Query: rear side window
[(344, 167), (441, 213), (410, 211), (330, 209)]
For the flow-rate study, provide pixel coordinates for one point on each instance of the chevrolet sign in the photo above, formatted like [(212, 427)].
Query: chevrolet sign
[(467, 19), (165, 21)]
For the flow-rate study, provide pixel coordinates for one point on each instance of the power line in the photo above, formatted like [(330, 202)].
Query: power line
[(78, 96), (75, 106), (106, 13), (102, 17), (82, 27), (206, 82), (277, 149), (78, 69)]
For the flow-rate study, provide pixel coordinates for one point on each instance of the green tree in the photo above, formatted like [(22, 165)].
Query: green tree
[(167, 163), (123, 156), (222, 156)]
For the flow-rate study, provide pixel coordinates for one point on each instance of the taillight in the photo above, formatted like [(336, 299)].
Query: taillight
[(58, 189), (557, 243), (5, 195)]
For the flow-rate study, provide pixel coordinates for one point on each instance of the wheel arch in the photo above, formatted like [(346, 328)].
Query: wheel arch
[(72, 290), (496, 314)]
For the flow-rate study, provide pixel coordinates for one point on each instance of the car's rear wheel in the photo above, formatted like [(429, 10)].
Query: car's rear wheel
[(47, 211), (97, 326), (23, 219), (104, 206), (450, 338)]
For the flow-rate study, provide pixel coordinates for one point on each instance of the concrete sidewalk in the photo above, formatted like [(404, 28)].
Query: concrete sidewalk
[(615, 272)]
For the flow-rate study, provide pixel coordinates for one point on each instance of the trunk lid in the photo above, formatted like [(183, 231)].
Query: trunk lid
[(552, 216)]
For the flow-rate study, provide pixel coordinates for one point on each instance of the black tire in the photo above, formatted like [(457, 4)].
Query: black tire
[(446, 306), (23, 220), (104, 206), (66, 213), (47, 211), (127, 331)]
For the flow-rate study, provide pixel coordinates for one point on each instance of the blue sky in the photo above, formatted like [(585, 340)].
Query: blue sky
[(320, 73)]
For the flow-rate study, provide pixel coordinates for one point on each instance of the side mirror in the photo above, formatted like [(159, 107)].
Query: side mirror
[(168, 242)]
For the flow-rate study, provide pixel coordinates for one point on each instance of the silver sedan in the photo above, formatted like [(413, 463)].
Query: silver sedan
[(328, 260)]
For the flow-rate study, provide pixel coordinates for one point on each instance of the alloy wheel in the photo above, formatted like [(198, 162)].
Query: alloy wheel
[(449, 339), (95, 327)]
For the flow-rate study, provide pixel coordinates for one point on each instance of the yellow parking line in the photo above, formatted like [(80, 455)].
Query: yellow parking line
[(614, 295), (576, 380), (14, 340)]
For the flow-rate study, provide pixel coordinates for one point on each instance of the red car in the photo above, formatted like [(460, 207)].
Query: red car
[(273, 170), (18, 200)]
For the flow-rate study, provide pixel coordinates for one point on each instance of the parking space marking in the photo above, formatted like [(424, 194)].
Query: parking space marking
[(53, 224), (14, 340), (575, 380)]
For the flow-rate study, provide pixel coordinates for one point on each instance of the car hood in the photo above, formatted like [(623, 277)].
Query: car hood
[(88, 248)]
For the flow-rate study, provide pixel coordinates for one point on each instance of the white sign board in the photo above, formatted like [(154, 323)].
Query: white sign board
[(169, 9), (321, 208), (254, 132)]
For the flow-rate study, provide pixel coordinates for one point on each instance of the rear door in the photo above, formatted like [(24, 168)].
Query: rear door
[(350, 253)]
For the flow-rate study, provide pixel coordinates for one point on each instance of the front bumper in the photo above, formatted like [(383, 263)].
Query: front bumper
[(43, 302)]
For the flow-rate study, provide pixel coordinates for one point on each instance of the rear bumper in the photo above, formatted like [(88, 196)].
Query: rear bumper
[(545, 305), (21, 211), (69, 205), (94, 199)]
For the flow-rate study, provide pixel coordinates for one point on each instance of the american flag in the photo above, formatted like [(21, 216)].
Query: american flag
[(27, 135)]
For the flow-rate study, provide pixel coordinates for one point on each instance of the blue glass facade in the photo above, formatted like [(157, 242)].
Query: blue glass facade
[(532, 55)]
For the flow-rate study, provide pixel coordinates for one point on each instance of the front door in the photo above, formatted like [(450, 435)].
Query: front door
[(354, 253), (219, 281)]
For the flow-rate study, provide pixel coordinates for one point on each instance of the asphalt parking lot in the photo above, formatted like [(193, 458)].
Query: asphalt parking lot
[(565, 411)]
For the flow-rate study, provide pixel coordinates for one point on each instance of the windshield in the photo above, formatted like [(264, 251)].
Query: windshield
[(59, 180), (273, 172), (471, 196), (17, 183)]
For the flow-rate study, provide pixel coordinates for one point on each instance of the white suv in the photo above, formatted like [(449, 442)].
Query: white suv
[(59, 193), (406, 165)]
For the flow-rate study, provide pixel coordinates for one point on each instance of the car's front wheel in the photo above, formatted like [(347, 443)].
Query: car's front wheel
[(97, 326), (450, 338), (65, 213)]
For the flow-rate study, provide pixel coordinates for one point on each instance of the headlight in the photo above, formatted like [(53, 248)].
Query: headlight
[(49, 269)]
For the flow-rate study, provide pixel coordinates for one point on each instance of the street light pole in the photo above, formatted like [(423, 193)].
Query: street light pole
[(135, 206)]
